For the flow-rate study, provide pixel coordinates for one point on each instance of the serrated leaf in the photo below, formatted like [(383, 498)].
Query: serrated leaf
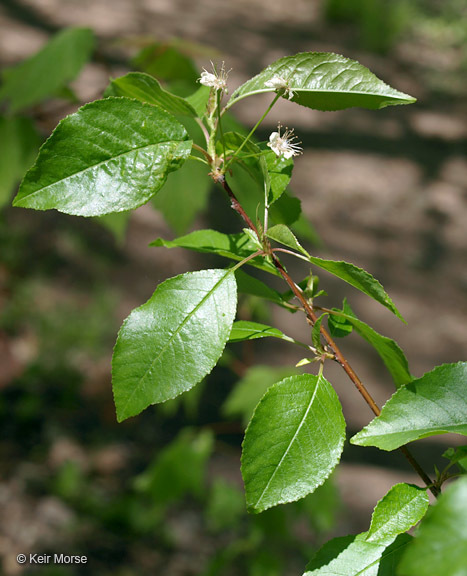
[(436, 403), (350, 273), (324, 81), (355, 556), (293, 441), (169, 344), (20, 144), (233, 246), (50, 69), (376, 552), (110, 156), (146, 88), (359, 279), (244, 330), (388, 350), (247, 284), (282, 234), (249, 390), (400, 509), (440, 546), (184, 195)]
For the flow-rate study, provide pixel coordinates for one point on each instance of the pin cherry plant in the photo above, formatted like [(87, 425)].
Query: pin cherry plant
[(114, 154)]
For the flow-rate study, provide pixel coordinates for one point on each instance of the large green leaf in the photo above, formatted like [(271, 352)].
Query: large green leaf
[(389, 351), (324, 81), (147, 89), (20, 143), (293, 441), (440, 545), (400, 509), (356, 556), (376, 552), (234, 246), (436, 403), (169, 344), (350, 273), (46, 72), (110, 156)]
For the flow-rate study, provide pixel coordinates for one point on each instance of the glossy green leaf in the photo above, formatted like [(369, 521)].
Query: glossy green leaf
[(184, 195), (247, 284), (20, 144), (323, 81), (110, 156), (169, 344), (350, 273), (400, 509), (244, 330), (249, 390), (355, 556), (234, 246), (282, 234), (293, 441), (389, 351), (440, 545), (436, 403), (50, 69), (376, 552), (147, 89)]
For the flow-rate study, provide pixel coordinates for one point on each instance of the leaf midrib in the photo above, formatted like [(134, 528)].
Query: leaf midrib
[(174, 334), (290, 443), (92, 166)]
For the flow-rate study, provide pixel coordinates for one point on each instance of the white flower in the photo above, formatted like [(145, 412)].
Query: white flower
[(215, 80), (284, 145), (278, 83)]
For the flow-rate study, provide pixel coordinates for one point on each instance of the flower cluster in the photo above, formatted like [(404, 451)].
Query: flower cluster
[(278, 83), (284, 145), (213, 79)]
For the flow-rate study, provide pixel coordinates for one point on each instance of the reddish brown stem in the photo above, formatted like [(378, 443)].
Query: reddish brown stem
[(339, 357)]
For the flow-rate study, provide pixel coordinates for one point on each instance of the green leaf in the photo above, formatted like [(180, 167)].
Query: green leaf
[(293, 441), (20, 144), (234, 246), (359, 279), (402, 507), (355, 556), (350, 273), (42, 75), (389, 351), (249, 390), (324, 81), (316, 333), (169, 344), (440, 546), (110, 156), (457, 456), (199, 100), (282, 234), (184, 195), (436, 403), (376, 552), (247, 284), (243, 330), (147, 89), (286, 210)]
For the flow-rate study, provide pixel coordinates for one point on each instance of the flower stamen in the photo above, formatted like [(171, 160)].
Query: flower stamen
[(214, 79), (284, 145)]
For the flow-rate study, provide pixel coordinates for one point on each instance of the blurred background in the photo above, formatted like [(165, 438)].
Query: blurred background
[(386, 190)]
